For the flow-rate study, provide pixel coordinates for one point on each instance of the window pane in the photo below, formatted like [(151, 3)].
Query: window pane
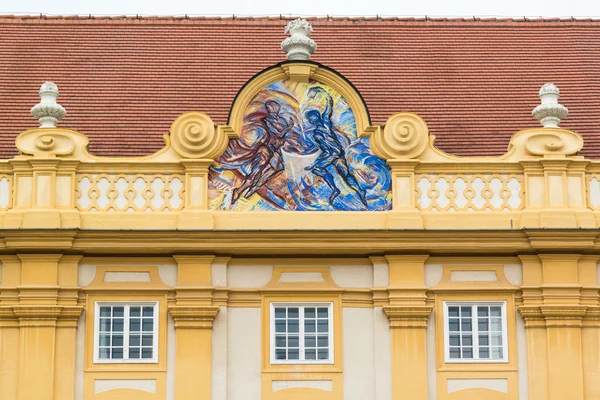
[(134, 311), (117, 354), (117, 340), (496, 324), (482, 311), (454, 340), (497, 353), (467, 352), (323, 341), (454, 352), (293, 325), (104, 325), (323, 354), (453, 325), (279, 341), (104, 340), (465, 311), (293, 341), (293, 354), (453, 311), (147, 353), (497, 339), (484, 340), (117, 325), (280, 354), (310, 354), (134, 340), (323, 326), (280, 326), (104, 353), (496, 311), (105, 311), (322, 312), (118, 312), (134, 325), (310, 312), (484, 352), (293, 312), (309, 326), (279, 312), (134, 353), (483, 325), (147, 340), (466, 325), (147, 325), (467, 340), (310, 341), (148, 311)]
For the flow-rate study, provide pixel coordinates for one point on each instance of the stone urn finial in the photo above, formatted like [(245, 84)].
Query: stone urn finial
[(299, 46), (48, 111), (550, 112)]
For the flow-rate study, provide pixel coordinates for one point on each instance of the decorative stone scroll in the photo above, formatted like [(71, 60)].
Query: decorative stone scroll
[(546, 142), (193, 135), (55, 142), (404, 136)]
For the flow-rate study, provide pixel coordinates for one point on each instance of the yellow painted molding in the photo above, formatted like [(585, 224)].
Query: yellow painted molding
[(407, 316), (187, 317)]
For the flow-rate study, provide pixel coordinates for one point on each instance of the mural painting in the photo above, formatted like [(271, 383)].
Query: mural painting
[(299, 150)]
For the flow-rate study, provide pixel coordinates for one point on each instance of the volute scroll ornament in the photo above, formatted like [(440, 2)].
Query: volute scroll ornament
[(194, 135), (547, 142), (404, 136), (43, 142)]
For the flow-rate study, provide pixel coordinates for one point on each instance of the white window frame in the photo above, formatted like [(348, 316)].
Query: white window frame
[(126, 359), (301, 333), (475, 333)]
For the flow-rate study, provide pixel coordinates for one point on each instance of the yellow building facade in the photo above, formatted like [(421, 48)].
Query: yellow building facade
[(134, 278)]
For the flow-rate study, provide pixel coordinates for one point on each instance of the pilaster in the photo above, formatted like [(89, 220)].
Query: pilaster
[(408, 314), (193, 314), (196, 214)]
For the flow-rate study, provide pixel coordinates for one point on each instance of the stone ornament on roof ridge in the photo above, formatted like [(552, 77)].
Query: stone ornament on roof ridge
[(550, 112), (48, 112), (299, 46)]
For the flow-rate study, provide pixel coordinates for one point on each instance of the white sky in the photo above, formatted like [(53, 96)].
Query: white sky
[(514, 8)]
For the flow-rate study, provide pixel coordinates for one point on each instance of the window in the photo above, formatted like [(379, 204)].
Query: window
[(125, 333), (475, 332), (301, 333)]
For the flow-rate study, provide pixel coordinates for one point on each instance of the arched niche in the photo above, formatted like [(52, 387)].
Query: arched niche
[(299, 142)]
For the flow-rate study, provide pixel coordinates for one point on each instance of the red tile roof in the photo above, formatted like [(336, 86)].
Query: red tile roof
[(123, 80)]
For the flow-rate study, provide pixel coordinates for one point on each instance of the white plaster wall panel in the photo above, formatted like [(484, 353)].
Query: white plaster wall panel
[(104, 385), (523, 373), (321, 385), (514, 200), (24, 187), (473, 276), (460, 186), (248, 276), (79, 356), (121, 186), (219, 355), (244, 354), (496, 200), (514, 273), (574, 191), (478, 185), (83, 187), (353, 276), (112, 276), (157, 200), (287, 277), (4, 192), (433, 274), (358, 348), (499, 385), (176, 189), (139, 188), (85, 274), (382, 352), (431, 358), (61, 197), (103, 185), (594, 191), (218, 271), (171, 348), (442, 186), (168, 274), (381, 272)]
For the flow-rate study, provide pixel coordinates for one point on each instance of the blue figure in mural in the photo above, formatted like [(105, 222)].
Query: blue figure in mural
[(267, 160), (332, 152)]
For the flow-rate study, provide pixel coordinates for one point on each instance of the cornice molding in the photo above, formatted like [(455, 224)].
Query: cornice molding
[(408, 316), (194, 317)]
